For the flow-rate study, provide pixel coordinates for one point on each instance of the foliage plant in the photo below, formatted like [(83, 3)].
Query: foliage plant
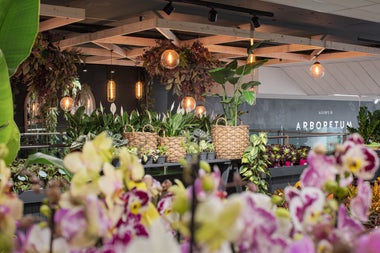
[(176, 123), (254, 163), (190, 77), (368, 125), (233, 74), (49, 73), (28, 176), (19, 22)]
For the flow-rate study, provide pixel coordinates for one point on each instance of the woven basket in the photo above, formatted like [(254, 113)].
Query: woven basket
[(175, 147), (142, 140), (229, 141)]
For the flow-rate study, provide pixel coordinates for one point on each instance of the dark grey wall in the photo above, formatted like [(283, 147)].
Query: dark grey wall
[(297, 114)]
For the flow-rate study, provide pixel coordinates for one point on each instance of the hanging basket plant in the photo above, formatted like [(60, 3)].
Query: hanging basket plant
[(191, 77), (49, 74)]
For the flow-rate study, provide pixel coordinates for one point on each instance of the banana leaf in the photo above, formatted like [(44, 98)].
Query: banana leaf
[(18, 29)]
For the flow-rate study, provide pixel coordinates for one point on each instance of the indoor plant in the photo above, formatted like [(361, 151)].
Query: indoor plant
[(190, 77), (254, 163), (234, 74), (19, 22), (47, 72)]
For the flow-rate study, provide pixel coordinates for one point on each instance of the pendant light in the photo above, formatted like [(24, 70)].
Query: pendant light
[(200, 111), (251, 57), (139, 90), (317, 70), (66, 103), (111, 86), (169, 59), (139, 86), (188, 103)]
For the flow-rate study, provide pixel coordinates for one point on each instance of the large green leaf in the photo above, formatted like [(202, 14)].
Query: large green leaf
[(41, 158), (18, 29)]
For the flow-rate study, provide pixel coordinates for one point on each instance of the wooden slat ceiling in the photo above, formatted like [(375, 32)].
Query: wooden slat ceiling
[(127, 43), (352, 68)]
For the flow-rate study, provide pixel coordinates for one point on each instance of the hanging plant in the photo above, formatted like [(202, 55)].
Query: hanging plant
[(191, 77), (47, 72)]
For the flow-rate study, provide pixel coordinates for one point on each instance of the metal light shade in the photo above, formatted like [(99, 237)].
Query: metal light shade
[(111, 90), (66, 103), (251, 59), (169, 59), (317, 70), (200, 111), (188, 103), (139, 89)]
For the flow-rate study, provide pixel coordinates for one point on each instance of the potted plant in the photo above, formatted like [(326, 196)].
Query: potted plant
[(242, 92), (174, 126), (203, 147), (231, 139), (210, 151), (159, 156), (254, 164)]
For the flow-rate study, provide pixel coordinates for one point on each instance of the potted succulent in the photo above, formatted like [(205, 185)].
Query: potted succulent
[(159, 155), (210, 151), (203, 147)]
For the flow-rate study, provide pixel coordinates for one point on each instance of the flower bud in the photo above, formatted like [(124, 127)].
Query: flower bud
[(331, 186), (277, 200)]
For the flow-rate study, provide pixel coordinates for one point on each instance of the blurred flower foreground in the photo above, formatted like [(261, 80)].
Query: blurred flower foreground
[(112, 206)]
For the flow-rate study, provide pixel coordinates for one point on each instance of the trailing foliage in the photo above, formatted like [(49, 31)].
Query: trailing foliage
[(254, 163), (191, 77)]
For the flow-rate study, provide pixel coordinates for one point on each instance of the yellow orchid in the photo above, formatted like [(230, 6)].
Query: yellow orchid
[(132, 168)]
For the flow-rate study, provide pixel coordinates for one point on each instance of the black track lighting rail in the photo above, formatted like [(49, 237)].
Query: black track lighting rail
[(225, 7)]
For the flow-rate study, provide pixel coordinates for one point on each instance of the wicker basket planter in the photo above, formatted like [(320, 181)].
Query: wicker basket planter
[(142, 140), (229, 141), (175, 147)]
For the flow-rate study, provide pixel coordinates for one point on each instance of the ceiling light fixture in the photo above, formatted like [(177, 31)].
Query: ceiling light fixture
[(317, 70), (255, 22), (66, 103), (212, 15), (169, 8), (169, 59), (188, 103), (111, 86)]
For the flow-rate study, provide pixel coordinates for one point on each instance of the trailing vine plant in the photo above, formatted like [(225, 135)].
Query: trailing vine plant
[(191, 77), (254, 163), (47, 72)]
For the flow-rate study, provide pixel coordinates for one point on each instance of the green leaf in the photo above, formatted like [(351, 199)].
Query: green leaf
[(249, 96), (19, 26), (41, 158)]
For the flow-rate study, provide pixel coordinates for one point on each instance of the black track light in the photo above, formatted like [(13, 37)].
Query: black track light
[(168, 9), (255, 22), (212, 15)]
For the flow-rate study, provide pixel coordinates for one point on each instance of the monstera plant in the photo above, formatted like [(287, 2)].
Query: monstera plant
[(18, 29)]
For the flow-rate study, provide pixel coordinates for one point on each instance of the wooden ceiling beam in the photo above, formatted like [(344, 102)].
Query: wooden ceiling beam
[(117, 31), (167, 33), (271, 37), (215, 39), (342, 55), (112, 47), (60, 16), (107, 61), (129, 40)]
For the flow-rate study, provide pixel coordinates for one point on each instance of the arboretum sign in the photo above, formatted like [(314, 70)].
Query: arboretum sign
[(311, 125)]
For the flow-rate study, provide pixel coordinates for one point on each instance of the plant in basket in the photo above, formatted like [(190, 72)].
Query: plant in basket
[(173, 128), (233, 74), (231, 140)]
